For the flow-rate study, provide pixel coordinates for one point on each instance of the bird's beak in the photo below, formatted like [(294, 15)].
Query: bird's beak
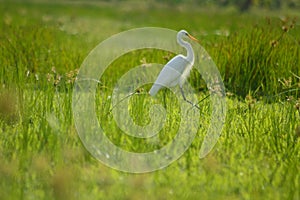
[(191, 37)]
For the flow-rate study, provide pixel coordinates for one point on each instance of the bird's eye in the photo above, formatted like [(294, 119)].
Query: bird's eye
[(186, 34)]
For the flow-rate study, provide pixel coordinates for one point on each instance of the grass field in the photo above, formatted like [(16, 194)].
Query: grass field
[(42, 46)]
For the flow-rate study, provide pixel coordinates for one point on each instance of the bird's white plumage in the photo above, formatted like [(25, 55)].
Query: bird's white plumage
[(177, 69), (171, 74)]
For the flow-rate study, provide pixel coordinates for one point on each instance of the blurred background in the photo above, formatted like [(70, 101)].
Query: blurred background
[(254, 43)]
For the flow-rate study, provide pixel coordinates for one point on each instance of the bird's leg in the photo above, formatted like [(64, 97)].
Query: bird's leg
[(129, 95), (184, 98), (137, 91), (203, 99)]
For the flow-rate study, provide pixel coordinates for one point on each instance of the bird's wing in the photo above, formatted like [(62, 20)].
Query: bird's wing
[(170, 74)]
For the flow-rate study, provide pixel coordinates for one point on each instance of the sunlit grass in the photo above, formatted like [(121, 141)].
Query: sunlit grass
[(41, 49)]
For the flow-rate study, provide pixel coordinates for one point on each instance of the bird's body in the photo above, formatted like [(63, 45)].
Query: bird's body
[(177, 69), (172, 74)]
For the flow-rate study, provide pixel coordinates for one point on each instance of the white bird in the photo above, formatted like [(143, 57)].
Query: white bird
[(177, 69)]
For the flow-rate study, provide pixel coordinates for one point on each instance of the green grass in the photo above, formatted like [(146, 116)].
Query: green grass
[(42, 45)]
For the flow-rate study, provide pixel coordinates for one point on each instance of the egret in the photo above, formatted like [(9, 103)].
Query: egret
[(177, 69)]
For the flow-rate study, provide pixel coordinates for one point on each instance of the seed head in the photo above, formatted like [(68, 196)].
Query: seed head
[(285, 28)]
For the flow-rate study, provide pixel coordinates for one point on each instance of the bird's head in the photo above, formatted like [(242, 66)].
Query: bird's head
[(184, 34)]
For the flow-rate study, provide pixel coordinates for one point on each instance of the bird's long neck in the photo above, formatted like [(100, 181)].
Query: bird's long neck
[(190, 53)]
